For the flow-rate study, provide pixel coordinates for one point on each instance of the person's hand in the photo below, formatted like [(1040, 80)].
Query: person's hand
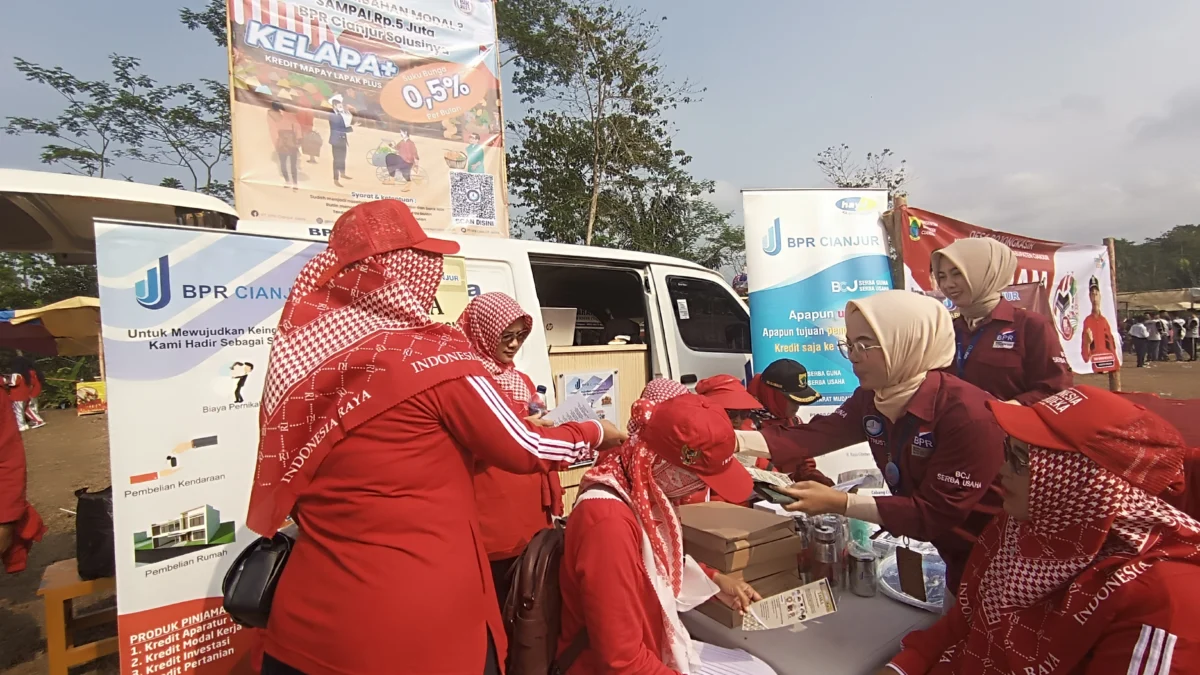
[(613, 435), (1012, 402), (814, 499), (736, 593), (539, 420), (6, 537)]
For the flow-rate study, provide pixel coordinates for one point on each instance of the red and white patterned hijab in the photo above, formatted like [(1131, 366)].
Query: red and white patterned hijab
[(1030, 584), (629, 471), (351, 344), (483, 321)]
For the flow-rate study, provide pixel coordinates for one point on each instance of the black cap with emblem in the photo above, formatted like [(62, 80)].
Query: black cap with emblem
[(791, 378)]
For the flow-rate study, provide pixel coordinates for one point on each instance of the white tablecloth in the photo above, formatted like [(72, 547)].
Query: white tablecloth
[(859, 639)]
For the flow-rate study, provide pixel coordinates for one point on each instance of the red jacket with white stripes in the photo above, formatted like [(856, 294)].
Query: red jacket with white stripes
[(1155, 630), (389, 574), (518, 506)]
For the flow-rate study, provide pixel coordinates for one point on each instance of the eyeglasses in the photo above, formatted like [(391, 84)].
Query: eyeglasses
[(854, 348), (506, 338), (1016, 453)]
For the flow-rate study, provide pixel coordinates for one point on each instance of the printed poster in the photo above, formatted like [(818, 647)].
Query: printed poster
[(1077, 293), (809, 252), (91, 398), (339, 103), (188, 319)]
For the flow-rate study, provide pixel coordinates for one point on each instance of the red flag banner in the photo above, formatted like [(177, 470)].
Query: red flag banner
[(1075, 288)]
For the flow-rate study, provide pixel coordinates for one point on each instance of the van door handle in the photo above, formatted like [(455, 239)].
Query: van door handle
[(688, 379)]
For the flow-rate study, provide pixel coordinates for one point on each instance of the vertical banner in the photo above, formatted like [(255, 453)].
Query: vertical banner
[(1078, 297), (808, 252), (188, 317), (339, 103)]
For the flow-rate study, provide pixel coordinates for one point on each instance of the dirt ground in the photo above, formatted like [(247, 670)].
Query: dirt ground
[(71, 452)]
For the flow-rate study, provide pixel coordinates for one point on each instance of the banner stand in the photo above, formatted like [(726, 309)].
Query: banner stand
[(1114, 377)]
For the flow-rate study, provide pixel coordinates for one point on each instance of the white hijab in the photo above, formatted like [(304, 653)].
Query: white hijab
[(917, 336), (987, 266)]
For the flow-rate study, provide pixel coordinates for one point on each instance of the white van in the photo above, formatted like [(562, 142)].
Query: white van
[(692, 322)]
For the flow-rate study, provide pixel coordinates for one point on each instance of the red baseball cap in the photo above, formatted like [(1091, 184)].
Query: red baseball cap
[(727, 391), (378, 227), (1123, 437), (693, 433)]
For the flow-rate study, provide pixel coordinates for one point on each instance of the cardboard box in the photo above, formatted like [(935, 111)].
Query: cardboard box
[(753, 573), (722, 527), (790, 546), (772, 585)]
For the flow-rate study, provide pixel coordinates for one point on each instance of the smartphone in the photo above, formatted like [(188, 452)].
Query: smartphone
[(773, 495)]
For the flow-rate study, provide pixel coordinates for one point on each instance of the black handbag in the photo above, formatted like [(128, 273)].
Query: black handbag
[(249, 586)]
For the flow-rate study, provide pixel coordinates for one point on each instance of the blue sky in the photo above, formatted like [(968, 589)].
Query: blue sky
[(1071, 120)]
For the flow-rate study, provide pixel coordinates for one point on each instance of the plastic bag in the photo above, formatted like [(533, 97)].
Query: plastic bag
[(94, 534)]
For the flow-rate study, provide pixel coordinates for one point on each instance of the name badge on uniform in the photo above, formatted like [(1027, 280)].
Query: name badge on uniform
[(1006, 339), (922, 444)]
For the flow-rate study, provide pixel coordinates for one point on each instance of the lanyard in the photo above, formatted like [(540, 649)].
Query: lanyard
[(961, 355)]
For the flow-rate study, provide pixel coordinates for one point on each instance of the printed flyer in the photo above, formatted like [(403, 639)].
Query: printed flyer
[(1077, 297), (339, 103), (809, 252), (188, 318), (791, 607)]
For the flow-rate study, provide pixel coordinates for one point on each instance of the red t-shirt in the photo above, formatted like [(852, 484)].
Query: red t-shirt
[(947, 446), (514, 507), (389, 573), (1016, 356), (605, 588), (1154, 630)]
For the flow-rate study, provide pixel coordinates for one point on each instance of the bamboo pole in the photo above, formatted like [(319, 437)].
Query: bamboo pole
[(894, 225), (1114, 378)]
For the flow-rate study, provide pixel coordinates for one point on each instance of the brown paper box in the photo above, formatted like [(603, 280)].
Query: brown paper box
[(763, 570), (789, 546), (772, 585), (718, 526)]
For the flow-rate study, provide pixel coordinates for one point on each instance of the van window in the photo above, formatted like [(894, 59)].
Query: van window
[(709, 318), (608, 301)]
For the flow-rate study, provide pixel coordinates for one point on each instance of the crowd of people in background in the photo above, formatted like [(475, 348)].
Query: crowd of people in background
[(1156, 336)]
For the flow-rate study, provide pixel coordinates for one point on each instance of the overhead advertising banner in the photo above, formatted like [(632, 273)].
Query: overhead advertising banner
[(1078, 295), (809, 252), (188, 318), (339, 103)]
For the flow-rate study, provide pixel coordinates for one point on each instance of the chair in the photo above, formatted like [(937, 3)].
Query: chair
[(60, 587)]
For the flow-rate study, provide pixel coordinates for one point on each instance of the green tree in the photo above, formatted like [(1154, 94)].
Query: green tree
[(1170, 260), (91, 133), (210, 17), (877, 171), (594, 161)]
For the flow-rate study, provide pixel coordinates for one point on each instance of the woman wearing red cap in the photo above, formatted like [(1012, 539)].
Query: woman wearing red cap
[(1011, 353), (624, 575), (512, 507), (1086, 573), (930, 433), (372, 421)]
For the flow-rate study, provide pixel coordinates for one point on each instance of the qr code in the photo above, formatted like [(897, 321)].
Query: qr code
[(473, 198)]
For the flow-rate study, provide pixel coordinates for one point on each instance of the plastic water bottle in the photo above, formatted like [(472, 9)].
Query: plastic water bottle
[(537, 404)]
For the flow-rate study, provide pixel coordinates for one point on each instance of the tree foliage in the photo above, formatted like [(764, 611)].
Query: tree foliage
[(133, 117), (593, 160), (1170, 260), (877, 171), (210, 17)]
